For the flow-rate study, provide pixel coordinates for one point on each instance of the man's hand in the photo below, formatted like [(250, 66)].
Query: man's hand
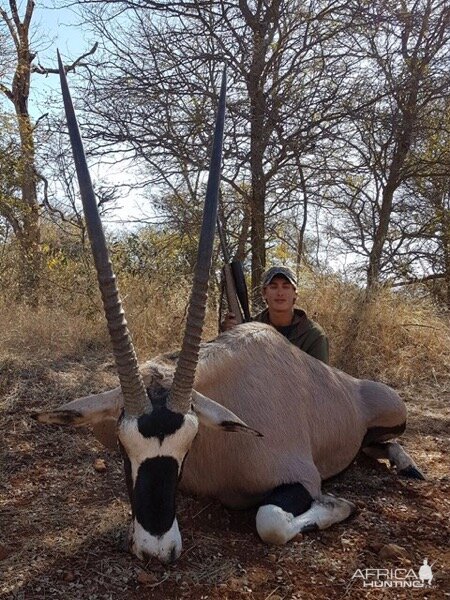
[(229, 322)]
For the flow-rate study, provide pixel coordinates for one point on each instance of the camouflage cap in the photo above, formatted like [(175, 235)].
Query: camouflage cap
[(280, 271)]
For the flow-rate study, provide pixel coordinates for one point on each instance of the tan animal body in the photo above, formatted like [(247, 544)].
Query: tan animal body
[(313, 420)]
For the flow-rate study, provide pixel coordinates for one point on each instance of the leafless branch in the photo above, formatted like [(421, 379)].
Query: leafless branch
[(68, 68)]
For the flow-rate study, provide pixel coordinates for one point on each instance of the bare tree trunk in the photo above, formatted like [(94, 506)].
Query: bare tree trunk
[(258, 234), (30, 240), (30, 256), (240, 253), (374, 267), (402, 147), (259, 135), (29, 236), (301, 233), (446, 249)]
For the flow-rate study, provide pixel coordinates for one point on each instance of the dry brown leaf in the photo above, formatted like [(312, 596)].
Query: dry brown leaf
[(100, 465)]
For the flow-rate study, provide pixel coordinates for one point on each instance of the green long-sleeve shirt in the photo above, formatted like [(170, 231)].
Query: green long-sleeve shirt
[(303, 332)]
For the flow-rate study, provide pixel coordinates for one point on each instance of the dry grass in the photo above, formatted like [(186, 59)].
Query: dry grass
[(48, 333), (156, 312), (392, 338), (63, 522), (155, 316)]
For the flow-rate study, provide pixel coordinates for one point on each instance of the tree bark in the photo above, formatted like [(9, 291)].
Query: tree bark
[(446, 248), (259, 136), (402, 147), (30, 236)]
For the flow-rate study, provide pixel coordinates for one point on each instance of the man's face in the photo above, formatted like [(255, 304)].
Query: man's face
[(279, 294)]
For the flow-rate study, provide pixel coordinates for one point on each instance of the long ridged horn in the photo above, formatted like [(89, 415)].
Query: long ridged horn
[(180, 393), (136, 401)]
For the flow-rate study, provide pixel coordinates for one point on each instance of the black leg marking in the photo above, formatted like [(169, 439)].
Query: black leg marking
[(397, 456), (309, 528), (128, 476), (411, 473), (293, 498), (382, 434)]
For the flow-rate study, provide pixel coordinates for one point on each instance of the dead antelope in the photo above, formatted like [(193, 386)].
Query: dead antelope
[(304, 420)]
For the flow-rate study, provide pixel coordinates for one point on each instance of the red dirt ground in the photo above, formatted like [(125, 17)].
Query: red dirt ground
[(63, 522)]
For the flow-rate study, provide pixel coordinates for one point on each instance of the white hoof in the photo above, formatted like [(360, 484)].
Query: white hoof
[(273, 525)]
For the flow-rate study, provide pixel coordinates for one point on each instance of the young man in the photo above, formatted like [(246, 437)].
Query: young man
[(279, 290)]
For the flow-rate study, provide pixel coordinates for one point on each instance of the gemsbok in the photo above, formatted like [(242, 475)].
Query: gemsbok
[(247, 418)]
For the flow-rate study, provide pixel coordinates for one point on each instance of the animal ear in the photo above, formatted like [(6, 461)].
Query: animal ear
[(88, 410), (212, 414), (99, 410)]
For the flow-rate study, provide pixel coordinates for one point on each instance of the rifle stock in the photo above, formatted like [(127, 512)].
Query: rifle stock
[(235, 286), (241, 288), (232, 297)]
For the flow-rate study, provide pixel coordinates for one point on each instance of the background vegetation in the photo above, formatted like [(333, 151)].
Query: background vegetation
[(396, 337), (336, 141), (336, 163)]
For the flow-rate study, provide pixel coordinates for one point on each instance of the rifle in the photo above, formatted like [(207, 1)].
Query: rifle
[(235, 285)]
